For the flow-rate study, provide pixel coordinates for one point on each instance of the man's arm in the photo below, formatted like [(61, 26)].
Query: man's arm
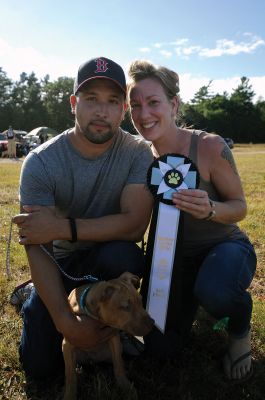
[(47, 280), (41, 225), (48, 283)]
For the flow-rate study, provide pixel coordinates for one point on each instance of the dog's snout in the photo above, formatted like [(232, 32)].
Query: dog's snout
[(150, 323), (144, 325)]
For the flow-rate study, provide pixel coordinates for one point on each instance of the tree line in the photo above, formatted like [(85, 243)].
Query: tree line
[(29, 102)]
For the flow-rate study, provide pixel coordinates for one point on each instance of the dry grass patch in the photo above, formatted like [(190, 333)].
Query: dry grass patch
[(196, 375)]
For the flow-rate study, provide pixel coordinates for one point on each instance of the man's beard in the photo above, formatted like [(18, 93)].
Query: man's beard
[(98, 138)]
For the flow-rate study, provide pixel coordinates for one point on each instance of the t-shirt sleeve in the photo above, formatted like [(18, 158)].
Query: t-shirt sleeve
[(142, 161), (36, 186)]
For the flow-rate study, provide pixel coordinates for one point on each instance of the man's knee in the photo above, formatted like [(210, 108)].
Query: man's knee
[(40, 366), (114, 258)]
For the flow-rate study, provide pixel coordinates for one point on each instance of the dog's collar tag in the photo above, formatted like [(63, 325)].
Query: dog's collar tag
[(167, 175)]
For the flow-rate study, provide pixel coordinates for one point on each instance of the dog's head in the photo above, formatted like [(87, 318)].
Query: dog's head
[(119, 305)]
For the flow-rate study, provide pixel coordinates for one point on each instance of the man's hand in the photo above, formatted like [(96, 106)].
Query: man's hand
[(85, 332), (39, 225)]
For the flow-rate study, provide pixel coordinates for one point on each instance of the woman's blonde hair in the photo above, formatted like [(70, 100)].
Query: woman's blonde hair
[(141, 69)]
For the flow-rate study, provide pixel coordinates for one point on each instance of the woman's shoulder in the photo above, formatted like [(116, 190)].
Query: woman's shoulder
[(211, 143), (212, 153)]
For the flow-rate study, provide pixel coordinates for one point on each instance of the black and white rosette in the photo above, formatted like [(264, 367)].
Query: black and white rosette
[(166, 175)]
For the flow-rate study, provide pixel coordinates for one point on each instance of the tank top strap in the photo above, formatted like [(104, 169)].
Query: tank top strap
[(194, 145)]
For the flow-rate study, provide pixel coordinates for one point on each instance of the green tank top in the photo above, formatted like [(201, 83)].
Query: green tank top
[(200, 234)]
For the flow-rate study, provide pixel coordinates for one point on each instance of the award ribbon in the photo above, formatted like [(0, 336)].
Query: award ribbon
[(166, 175)]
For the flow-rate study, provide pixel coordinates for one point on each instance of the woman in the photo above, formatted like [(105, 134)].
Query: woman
[(219, 261)]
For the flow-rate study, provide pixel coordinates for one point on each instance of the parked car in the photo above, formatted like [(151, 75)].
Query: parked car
[(21, 149), (3, 143), (32, 141), (43, 132), (229, 142), (20, 135)]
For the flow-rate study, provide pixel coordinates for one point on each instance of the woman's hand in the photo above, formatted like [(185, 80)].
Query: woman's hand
[(194, 201)]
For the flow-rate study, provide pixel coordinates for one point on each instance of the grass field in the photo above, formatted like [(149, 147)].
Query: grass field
[(196, 375)]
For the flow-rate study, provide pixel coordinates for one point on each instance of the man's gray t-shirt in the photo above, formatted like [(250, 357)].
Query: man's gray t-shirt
[(56, 174)]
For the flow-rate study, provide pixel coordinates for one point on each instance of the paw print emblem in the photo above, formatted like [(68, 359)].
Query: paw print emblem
[(173, 178)]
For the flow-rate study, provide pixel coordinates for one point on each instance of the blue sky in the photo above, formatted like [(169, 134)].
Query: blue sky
[(201, 40)]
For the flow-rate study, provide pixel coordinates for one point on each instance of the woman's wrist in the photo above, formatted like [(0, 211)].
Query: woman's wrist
[(212, 212)]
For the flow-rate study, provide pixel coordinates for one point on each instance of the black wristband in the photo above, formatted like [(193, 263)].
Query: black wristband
[(73, 230)]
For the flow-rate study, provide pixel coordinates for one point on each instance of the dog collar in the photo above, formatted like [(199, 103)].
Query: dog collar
[(83, 302)]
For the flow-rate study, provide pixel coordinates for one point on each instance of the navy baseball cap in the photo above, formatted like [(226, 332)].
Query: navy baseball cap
[(100, 67)]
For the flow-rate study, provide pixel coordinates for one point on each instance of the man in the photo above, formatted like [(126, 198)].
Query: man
[(84, 191)]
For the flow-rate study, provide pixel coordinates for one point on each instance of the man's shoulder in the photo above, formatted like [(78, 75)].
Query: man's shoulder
[(134, 140), (51, 145), (46, 153)]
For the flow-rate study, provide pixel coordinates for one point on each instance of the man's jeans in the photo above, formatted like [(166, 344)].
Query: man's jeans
[(41, 344)]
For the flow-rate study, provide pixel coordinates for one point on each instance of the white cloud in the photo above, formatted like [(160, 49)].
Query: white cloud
[(258, 85), (187, 51), (145, 50), (166, 53), (15, 60), (179, 42), (222, 47), (158, 45)]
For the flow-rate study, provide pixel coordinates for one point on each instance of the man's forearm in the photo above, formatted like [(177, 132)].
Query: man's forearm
[(41, 224), (111, 227), (48, 283)]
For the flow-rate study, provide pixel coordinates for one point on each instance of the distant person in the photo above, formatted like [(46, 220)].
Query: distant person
[(219, 261), (11, 145), (83, 194), (43, 137)]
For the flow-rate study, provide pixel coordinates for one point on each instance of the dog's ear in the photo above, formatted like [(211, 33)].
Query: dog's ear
[(130, 278), (108, 292)]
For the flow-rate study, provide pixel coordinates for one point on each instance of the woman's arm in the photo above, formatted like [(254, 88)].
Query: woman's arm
[(216, 164)]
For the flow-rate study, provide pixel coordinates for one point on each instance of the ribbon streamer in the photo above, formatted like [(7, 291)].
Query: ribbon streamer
[(166, 175)]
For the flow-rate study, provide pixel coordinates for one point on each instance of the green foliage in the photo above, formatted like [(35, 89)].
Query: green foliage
[(56, 97), (29, 111), (234, 116), (30, 102)]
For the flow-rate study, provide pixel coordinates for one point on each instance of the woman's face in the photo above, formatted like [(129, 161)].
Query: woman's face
[(153, 114)]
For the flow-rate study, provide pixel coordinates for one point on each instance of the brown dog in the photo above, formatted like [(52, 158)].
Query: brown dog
[(116, 303)]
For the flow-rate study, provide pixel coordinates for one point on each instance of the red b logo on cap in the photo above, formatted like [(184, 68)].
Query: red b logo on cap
[(102, 65)]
